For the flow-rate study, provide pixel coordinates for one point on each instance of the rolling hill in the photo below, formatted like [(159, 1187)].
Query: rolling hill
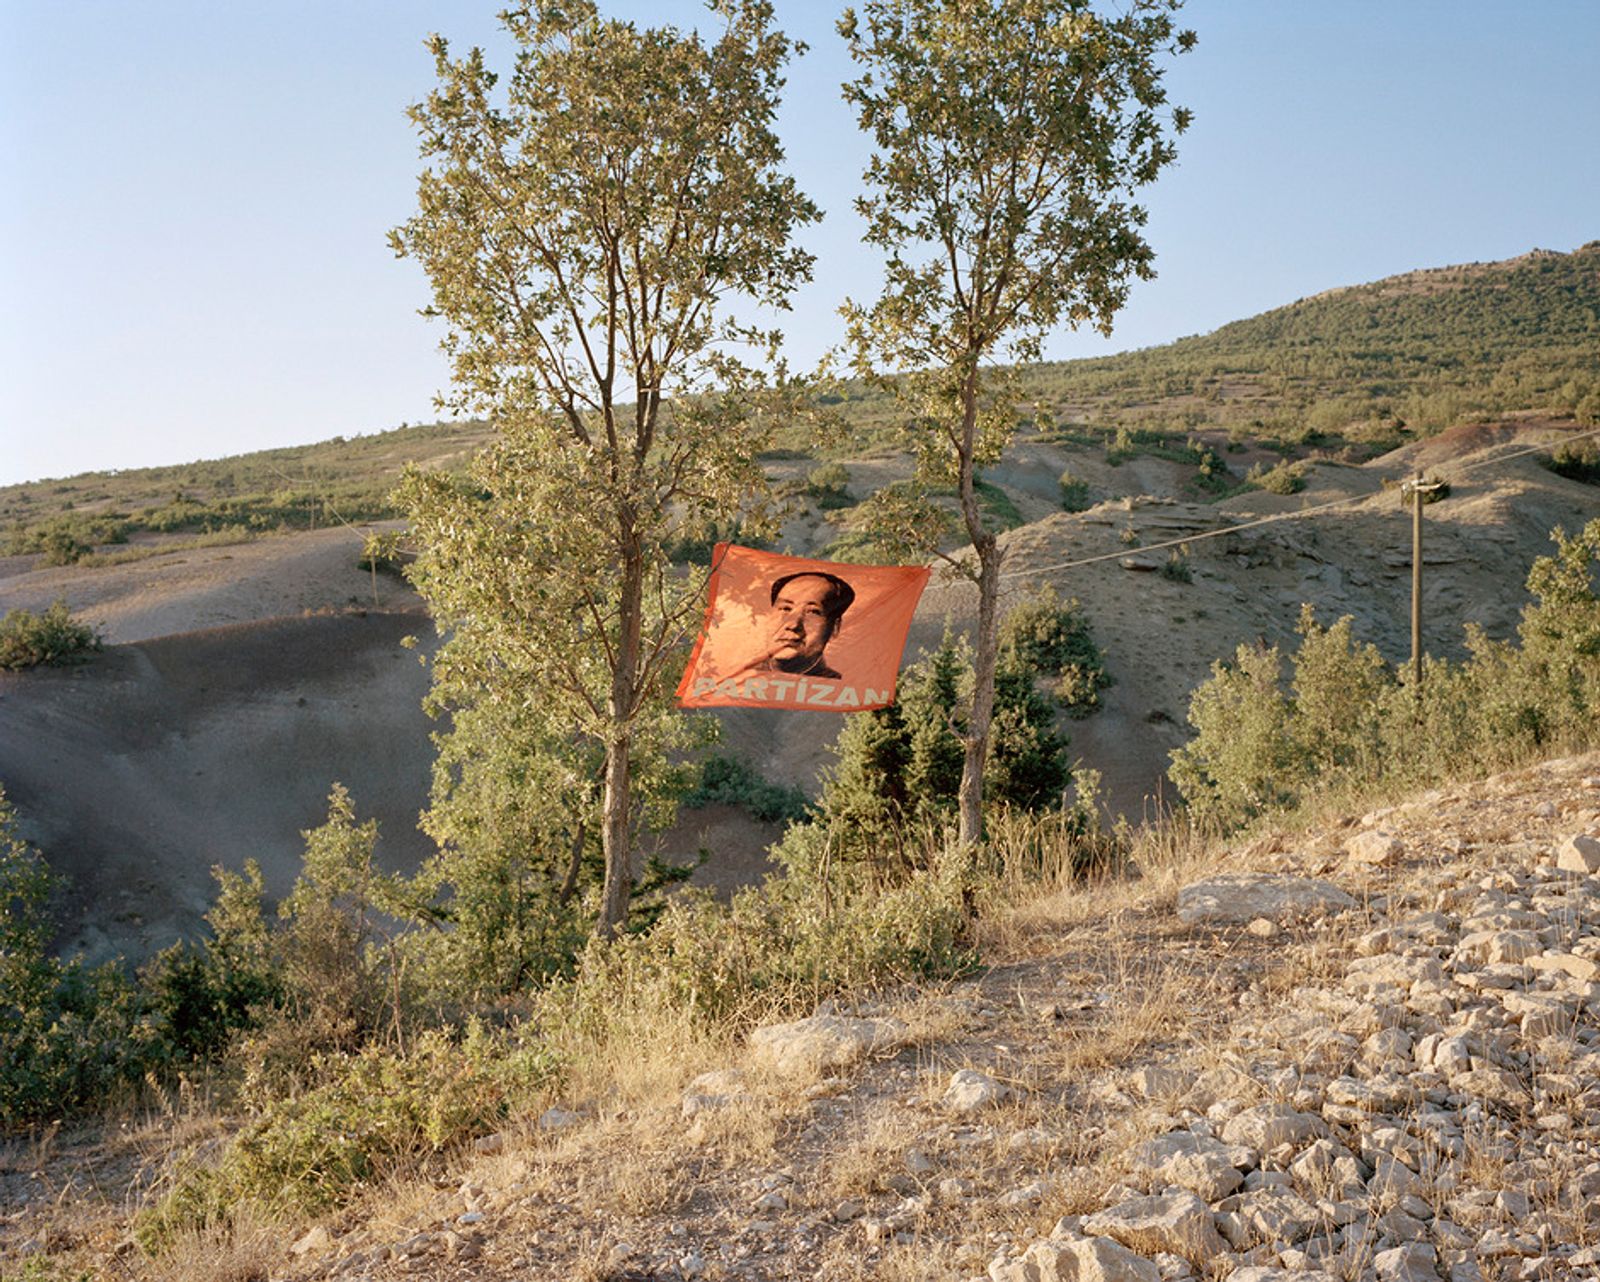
[(246, 673)]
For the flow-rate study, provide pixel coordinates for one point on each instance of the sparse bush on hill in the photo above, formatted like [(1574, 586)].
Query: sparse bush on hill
[(828, 486), (1283, 478), (1050, 638), (1074, 492), (28, 640), (1346, 720), (67, 538), (1577, 461)]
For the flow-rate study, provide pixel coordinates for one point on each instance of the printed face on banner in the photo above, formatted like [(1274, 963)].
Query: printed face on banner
[(788, 632)]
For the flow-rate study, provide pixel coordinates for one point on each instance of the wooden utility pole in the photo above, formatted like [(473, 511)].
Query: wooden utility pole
[(1417, 488), (1416, 584)]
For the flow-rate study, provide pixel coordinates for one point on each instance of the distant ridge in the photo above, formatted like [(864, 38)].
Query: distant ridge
[(1419, 350), (1428, 347)]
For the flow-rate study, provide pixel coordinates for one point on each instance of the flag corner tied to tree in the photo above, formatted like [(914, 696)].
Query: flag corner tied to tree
[(790, 632)]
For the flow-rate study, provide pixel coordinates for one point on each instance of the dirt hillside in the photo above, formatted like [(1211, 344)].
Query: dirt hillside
[(241, 681)]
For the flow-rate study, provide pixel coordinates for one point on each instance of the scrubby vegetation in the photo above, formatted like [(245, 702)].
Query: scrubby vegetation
[(54, 637), (1074, 492), (1049, 639), (729, 781), (297, 488), (374, 1022), (374, 1025), (349, 1075), (827, 486), (1364, 366), (1576, 462), (1342, 720)]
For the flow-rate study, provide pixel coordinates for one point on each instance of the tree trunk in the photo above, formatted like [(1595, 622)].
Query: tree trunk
[(983, 665), (616, 826), (616, 836), (976, 740)]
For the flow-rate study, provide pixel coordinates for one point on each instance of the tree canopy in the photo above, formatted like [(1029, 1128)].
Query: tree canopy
[(582, 231), (1010, 137)]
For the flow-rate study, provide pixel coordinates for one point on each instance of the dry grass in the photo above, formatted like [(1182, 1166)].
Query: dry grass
[(640, 1058), (248, 1249), (1030, 916), (636, 1183), (920, 1260), (1087, 981), (745, 1132), (862, 1166)]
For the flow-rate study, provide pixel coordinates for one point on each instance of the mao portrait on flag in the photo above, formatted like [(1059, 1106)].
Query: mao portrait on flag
[(791, 632)]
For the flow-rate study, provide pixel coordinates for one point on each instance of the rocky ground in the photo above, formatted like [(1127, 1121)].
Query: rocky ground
[(1370, 1050)]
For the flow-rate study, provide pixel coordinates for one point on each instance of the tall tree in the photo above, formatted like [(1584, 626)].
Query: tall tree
[(582, 232), (1010, 137)]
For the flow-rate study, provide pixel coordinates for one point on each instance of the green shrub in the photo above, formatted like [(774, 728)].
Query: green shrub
[(731, 781), (69, 1035), (1560, 634), (1050, 637), (333, 977), (1176, 566), (828, 486), (374, 1114), (1577, 461), (201, 998), (28, 639), (1351, 722), (1284, 478), (1074, 492), (61, 546), (67, 538), (1243, 759)]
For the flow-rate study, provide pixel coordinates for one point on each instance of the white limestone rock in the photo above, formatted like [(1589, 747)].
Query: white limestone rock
[(1177, 1222), (1413, 1262), (1267, 1126), (1579, 853), (1378, 846), (824, 1042), (1240, 898), (969, 1091), (1206, 1167)]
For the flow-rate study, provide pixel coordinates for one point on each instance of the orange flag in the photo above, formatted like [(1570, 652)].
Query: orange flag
[(789, 632)]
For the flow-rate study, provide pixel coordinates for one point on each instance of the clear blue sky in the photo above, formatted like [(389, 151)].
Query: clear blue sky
[(194, 195)]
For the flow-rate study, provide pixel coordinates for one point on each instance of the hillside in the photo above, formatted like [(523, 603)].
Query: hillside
[(1367, 1050), (1351, 369), (243, 679), (1349, 366)]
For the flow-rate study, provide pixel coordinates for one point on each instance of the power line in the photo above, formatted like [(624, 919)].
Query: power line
[(1280, 516)]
